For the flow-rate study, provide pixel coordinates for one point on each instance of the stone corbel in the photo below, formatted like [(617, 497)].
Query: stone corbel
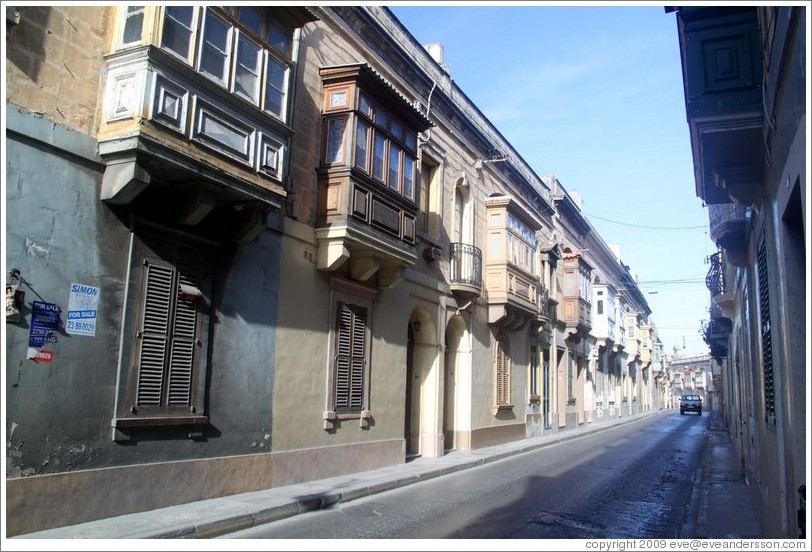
[(363, 265), (251, 225), (742, 184), (329, 418), (123, 180), (366, 415), (390, 276), (331, 254), (200, 204)]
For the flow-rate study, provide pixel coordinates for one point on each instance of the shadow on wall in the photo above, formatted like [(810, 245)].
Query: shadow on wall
[(31, 23)]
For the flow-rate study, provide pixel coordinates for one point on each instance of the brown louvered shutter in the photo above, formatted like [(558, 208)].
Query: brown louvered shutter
[(502, 375), (350, 358), (358, 359), (168, 339)]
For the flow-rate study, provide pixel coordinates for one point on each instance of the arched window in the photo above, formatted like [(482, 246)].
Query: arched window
[(459, 206)]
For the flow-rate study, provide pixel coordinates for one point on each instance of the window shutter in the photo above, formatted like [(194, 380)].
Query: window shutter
[(766, 330), (154, 333), (502, 375), (343, 355), (168, 339), (350, 358), (184, 339), (357, 378)]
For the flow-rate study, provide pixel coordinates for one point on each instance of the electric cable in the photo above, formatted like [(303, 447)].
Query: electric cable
[(648, 227)]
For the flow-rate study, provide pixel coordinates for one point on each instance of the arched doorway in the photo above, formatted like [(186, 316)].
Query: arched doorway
[(455, 360), (412, 449), (421, 419)]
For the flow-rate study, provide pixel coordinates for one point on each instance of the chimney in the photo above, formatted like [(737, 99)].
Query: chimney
[(437, 51)]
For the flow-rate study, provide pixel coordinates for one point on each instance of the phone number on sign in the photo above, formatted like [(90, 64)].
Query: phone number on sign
[(77, 326)]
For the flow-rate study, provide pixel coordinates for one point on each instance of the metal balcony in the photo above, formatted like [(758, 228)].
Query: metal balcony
[(720, 285), (716, 280), (728, 229), (465, 272)]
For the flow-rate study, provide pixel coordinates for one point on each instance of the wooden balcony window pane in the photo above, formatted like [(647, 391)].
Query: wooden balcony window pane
[(247, 71), (408, 177), (378, 152), (177, 30), (362, 145), (214, 51), (275, 87), (394, 166), (133, 24)]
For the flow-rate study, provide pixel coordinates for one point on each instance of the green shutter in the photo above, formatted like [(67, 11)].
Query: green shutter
[(766, 330)]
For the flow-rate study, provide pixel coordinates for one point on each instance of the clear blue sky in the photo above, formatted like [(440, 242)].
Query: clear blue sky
[(593, 95)]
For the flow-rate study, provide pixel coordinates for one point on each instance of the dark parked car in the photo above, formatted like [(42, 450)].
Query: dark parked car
[(690, 403)]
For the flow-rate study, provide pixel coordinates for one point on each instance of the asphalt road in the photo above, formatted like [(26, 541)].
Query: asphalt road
[(632, 481)]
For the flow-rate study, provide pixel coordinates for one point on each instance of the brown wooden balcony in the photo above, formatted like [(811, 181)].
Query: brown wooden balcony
[(465, 269), (512, 296), (577, 314), (576, 309), (366, 215), (509, 273)]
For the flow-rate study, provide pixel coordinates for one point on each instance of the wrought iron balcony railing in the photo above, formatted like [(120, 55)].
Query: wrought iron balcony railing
[(727, 225), (466, 267), (717, 279), (724, 213)]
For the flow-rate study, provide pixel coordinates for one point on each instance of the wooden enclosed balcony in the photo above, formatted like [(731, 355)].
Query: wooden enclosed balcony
[(510, 268), (722, 76), (577, 309)]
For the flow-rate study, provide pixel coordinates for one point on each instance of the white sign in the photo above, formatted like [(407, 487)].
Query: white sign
[(83, 305)]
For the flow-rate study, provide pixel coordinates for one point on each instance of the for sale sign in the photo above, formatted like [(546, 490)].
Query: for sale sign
[(82, 308), (44, 322)]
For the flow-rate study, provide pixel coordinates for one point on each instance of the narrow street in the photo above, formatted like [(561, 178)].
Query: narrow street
[(628, 482)]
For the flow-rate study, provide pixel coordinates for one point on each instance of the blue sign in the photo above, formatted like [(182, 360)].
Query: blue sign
[(44, 322), (80, 314)]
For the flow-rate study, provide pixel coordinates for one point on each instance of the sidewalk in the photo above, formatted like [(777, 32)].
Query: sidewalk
[(725, 507), (726, 501)]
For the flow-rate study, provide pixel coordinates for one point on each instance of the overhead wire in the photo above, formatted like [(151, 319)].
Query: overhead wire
[(647, 227)]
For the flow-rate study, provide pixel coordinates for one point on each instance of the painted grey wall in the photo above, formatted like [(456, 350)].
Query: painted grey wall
[(58, 232)]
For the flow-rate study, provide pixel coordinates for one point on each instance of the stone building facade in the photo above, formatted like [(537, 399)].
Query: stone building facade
[(745, 74), (252, 246)]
